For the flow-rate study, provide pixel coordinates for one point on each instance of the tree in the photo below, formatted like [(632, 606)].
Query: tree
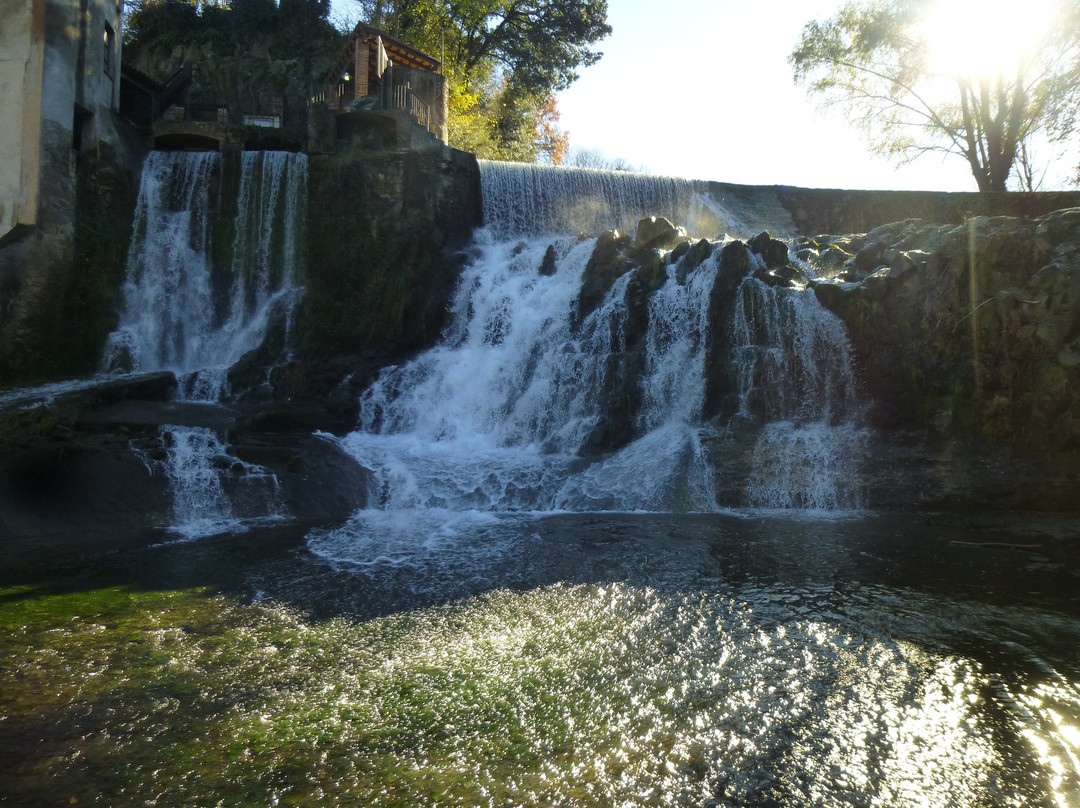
[(552, 141), (505, 59), (881, 62), (155, 22), (594, 158), (537, 44)]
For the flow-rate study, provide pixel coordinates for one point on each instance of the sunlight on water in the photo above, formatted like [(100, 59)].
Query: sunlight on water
[(589, 695)]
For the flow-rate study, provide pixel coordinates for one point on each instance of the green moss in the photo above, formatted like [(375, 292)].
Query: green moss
[(186, 698), (377, 275), (39, 423)]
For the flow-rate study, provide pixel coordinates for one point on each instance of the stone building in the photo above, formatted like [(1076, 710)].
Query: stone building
[(59, 85), (59, 90), (377, 72)]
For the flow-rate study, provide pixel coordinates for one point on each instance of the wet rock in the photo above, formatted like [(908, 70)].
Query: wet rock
[(657, 232), (695, 256), (772, 251), (734, 264), (607, 262), (902, 262), (788, 274), (652, 272), (222, 462), (547, 266), (698, 254), (157, 386), (679, 250), (832, 257), (735, 260), (248, 378)]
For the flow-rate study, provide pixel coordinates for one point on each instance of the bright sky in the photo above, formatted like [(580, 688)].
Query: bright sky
[(704, 90)]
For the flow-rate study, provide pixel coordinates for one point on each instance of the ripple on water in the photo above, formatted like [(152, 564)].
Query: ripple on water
[(583, 695)]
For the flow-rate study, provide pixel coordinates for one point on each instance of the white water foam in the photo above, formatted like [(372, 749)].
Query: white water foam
[(180, 315), (496, 418), (796, 377), (504, 414), (172, 317)]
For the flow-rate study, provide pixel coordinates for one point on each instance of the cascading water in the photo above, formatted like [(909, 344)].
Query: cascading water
[(186, 310), (515, 409), (195, 310), (795, 373), (526, 199), (586, 660)]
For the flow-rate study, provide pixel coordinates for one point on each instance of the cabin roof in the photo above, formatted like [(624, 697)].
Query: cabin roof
[(399, 52)]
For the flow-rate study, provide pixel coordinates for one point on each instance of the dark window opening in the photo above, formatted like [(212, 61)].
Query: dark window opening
[(110, 49)]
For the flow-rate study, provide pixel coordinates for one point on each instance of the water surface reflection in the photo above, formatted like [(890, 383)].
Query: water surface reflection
[(596, 660)]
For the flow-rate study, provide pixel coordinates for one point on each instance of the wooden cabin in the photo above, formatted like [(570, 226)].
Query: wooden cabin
[(377, 72)]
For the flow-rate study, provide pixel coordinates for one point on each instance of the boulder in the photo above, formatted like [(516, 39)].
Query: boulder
[(772, 251), (657, 232), (679, 250), (156, 386), (547, 265), (652, 268), (607, 262)]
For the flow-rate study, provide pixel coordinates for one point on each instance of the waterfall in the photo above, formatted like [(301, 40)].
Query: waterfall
[(528, 200), (528, 405), (198, 295), (795, 375), (194, 307)]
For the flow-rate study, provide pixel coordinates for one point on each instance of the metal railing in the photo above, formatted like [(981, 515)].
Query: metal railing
[(406, 99)]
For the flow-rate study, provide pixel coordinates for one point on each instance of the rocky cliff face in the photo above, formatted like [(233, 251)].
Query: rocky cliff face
[(966, 339), (969, 341)]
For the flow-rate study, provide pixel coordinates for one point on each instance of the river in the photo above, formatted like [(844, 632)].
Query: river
[(754, 659)]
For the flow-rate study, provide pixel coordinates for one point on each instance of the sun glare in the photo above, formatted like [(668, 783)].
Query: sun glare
[(985, 38)]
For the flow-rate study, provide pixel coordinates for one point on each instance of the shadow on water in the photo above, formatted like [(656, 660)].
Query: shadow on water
[(1007, 560)]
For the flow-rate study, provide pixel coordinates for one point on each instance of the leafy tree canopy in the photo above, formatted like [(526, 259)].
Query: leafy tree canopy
[(150, 22), (978, 83), (505, 59), (537, 44)]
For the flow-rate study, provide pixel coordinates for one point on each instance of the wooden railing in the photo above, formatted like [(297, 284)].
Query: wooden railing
[(391, 96)]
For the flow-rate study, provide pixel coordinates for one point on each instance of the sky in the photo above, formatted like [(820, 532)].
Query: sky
[(702, 89)]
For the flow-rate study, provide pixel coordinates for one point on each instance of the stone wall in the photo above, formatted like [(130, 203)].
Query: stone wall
[(816, 211), (385, 235), (60, 281)]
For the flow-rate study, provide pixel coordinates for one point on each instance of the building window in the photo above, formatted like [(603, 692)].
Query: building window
[(110, 49)]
